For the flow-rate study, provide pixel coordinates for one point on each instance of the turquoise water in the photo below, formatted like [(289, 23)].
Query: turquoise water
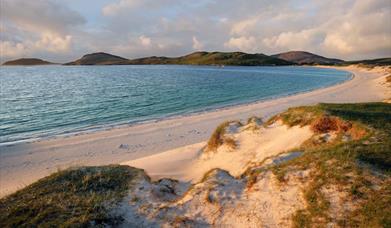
[(45, 101)]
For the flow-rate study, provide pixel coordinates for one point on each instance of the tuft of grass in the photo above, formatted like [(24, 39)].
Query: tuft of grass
[(230, 142), (76, 197), (254, 119), (327, 123), (301, 116), (301, 219), (253, 123), (218, 138)]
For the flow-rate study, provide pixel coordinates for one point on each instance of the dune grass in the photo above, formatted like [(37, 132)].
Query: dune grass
[(347, 164), (76, 197), (219, 137)]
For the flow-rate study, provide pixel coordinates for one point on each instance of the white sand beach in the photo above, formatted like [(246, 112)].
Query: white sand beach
[(166, 148)]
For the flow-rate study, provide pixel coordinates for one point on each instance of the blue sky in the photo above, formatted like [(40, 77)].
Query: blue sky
[(62, 30)]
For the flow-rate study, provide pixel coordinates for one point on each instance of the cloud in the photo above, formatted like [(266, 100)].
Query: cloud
[(197, 45), (349, 29), (300, 40), (145, 41), (247, 44), (48, 42), (244, 27), (11, 49), (36, 27), (334, 28), (39, 15)]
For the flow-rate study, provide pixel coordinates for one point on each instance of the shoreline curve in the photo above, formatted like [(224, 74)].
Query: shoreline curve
[(22, 164)]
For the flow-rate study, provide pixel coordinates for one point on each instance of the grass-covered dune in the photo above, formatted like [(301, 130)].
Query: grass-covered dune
[(360, 168), (343, 175), (76, 197)]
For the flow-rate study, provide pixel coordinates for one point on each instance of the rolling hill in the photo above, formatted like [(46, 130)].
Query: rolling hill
[(372, 62), (26, 62), (196, 58), (99, 58), (302, 57), (215, 58)]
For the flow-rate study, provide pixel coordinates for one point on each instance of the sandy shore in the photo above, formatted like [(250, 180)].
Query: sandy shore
[(22, 164)]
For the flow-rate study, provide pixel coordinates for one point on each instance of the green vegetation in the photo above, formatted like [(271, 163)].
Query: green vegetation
[(228, 58), (196, 58), (359, 167), (99, 58), (372, 62), (78, 197), (219, 137), (26, 62), (306, 58)]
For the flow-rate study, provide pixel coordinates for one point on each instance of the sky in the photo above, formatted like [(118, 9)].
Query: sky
[(64, 30)]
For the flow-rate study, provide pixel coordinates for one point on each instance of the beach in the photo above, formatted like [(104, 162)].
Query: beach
[(163, 147)]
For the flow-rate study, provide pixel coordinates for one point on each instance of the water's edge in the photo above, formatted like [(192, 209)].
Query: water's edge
[(108, 127)]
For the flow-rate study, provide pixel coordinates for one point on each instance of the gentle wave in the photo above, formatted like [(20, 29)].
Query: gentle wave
[(51, 101)]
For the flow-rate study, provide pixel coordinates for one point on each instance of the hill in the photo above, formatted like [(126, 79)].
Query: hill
[(372, 62), (215, 58), (26, 62), (99, 58), (196, 58), (302, 57)]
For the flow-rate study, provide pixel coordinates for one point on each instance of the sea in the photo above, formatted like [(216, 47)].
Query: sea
[(48, 101)]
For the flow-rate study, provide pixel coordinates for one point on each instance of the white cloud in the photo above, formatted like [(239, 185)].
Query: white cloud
[(197, 45), (242, 44), (40, 27), (300, 40), (244, 27), (54, 43), (145, 41), (10, 49), (113, 8), (48, 42)]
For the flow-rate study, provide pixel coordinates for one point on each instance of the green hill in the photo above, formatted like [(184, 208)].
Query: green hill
[(302, 57), (99, 58), (26, 62), (373, 62), (196, 58), (215, 58)]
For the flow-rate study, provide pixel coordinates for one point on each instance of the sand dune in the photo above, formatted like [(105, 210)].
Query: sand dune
[(190, 163)]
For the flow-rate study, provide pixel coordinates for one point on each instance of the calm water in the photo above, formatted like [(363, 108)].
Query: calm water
[(51, 100)]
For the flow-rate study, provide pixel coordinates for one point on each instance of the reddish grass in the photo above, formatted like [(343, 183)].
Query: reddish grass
[(327, 123), (357, 132)]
